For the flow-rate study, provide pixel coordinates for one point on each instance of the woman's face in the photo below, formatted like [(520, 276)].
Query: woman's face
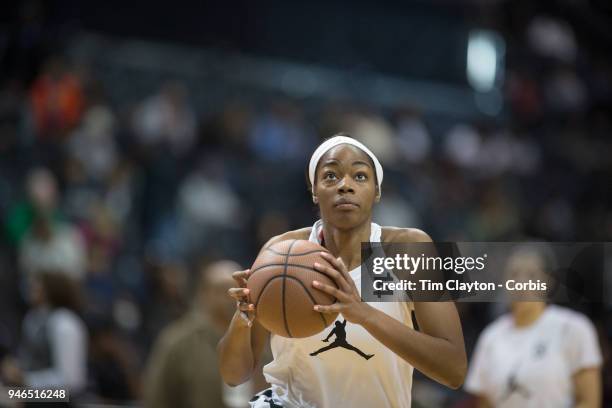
[(345, 186)]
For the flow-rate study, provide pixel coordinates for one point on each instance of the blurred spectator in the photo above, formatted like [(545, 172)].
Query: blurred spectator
[(113, 364), (496, 218), (53, 350), (413, 139), (394, 210), (281, 136), (182, 369), (168, 302), (166, 119), (207, 206), (57, 100), (462, 146), (102, 237), (552, 37), (375, 132), (229, 130), (497, 153), (93, 143), (49, 243)]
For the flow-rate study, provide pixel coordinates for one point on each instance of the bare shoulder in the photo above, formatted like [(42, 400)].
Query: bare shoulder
[(396, 234)]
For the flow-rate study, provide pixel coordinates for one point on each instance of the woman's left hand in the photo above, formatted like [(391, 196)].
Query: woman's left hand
[(348, 300)]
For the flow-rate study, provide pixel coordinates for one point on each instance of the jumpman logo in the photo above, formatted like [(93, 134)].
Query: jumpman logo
[(340, 341), (514, 387)]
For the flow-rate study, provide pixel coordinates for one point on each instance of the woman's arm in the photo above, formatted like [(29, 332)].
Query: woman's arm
[(240, 349), (437, 350), (587, 388)]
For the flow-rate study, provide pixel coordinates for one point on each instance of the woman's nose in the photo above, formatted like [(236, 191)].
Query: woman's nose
[(345, 185)]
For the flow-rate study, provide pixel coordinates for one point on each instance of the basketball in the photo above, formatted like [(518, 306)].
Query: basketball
[(281, 289)]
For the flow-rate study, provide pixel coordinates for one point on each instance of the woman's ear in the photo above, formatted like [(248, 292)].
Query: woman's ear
[(315, 199), (377, 198)]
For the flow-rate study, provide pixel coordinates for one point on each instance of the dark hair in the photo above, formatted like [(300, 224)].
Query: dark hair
[(60, 290)]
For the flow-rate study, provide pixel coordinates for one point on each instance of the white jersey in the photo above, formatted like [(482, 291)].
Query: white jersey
[(533, 366), (357, 372)]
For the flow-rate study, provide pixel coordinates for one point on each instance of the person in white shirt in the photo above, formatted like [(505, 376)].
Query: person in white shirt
[(538, 355), (53, 346), (378, 345)]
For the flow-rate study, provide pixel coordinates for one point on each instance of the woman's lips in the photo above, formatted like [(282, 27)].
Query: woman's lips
[(346, 206)]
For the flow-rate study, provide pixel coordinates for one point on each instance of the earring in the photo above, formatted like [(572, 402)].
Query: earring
[(315, 199)]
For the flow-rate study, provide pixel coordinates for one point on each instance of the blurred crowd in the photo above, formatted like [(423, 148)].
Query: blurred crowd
[(111, 217)]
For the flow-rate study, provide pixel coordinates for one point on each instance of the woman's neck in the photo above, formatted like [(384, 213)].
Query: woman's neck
[(346, 244), (526, 313)]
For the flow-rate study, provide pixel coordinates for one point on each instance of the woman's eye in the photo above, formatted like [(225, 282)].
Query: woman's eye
[(329, 176), (361, 177)]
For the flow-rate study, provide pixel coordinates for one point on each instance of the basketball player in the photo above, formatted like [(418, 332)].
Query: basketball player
[(372, 358), (539, 355)]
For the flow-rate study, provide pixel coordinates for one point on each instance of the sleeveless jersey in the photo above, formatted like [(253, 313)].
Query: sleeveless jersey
[(340, 373)]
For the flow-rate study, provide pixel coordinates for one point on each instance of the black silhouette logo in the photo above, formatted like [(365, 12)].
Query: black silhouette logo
[(540, 350), (514, 387), (340, 341)]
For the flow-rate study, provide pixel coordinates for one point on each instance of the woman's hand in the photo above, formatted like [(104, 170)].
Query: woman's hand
[(241, 295), (348, 300)]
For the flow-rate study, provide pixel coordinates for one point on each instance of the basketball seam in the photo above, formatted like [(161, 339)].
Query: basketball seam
[(283, 288), (312, 299), (288, 264), (301, 254)]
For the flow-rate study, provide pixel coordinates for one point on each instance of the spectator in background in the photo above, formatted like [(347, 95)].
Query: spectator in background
[(553, 38), (375, 131), (49, 243), (413, 139), (207, 207), (113, 363), (53, 350), (181, 370), (56, 99), (395, 210), (168, 301), (93, 143), (166, 119), (462, 146), (280, 134)]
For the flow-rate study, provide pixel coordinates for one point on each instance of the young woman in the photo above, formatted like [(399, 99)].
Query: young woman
[(538, 355), (375, 345)]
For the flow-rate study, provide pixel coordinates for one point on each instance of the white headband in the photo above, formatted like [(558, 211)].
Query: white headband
[(335, 141)]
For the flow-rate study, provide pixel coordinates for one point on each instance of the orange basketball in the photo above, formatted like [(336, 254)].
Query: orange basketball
[(280, 287)]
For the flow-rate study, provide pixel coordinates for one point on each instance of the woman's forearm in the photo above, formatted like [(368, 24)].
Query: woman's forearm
[(236, 360), (437, 358)]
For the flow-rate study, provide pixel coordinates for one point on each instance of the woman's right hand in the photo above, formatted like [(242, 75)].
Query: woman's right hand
[(241, 295)]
